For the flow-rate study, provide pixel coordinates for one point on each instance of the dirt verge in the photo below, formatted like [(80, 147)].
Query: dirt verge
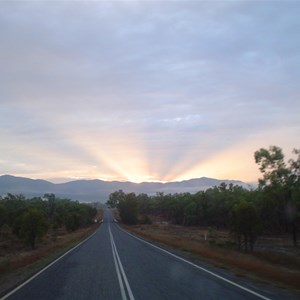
[(281, 269)]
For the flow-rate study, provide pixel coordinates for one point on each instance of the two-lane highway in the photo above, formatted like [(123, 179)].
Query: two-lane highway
[(112, 264)]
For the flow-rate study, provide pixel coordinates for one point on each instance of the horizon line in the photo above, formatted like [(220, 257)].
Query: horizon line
[(67, 180)]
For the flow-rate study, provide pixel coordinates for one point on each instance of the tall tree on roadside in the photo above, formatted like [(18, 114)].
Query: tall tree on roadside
[(281, 183), (272, 165), (293, 208), (115, 198)]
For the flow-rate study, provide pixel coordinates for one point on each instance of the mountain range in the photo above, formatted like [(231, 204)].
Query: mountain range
[(99, 190)]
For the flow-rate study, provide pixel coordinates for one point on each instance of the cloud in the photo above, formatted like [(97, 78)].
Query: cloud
[(144, 89)]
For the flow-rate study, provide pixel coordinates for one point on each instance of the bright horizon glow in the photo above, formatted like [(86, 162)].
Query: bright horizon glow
[(141, 91)]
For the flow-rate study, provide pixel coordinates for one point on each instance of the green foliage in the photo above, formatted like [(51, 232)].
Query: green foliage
[(3, 216), (143, 203), (271, 164), (72, 221), (27, 217), (274, 207), (32, 225), (115, 198), (209, 208), (245, 225), (190, 213), (73, 214), (15, 205), (128, 209), (280, 189), (51, 204)]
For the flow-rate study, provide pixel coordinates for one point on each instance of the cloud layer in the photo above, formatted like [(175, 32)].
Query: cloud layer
[(147, 90)]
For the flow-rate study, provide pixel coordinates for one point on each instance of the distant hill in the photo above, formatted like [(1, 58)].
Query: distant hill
[(99, 190)]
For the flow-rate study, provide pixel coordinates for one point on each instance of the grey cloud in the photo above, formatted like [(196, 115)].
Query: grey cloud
[(177, 75)]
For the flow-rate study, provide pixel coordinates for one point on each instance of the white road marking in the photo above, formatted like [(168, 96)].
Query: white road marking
[(123, 293), (120, 270), (44, 269), (198, 267)]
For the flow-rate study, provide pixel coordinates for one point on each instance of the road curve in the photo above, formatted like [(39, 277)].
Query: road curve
[(112, 264)]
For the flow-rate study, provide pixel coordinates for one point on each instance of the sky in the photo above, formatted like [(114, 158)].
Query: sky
[(147, 90)]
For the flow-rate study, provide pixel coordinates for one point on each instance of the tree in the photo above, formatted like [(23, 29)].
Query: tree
[(33, 225), (115, 198), (15, 206), (190, 214), (51, 204), (271, 164), (128, 209), (281, 183), (203, 204), (143, 208), (245, 225), (72, 221), (293, 208)]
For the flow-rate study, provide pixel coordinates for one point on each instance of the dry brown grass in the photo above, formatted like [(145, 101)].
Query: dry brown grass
[(271, 267)]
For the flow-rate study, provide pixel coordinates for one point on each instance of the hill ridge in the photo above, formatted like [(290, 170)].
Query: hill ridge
[(88, 190)]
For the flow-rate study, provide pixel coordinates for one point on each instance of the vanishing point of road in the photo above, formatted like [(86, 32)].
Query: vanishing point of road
[(112, 264)]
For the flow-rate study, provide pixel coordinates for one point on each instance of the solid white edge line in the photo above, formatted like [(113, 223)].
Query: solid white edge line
[(130, 294), (123, 294), (196, 266), (45, 268)]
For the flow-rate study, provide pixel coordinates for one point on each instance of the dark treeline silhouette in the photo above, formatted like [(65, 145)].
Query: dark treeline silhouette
[(273, 208), (30, 219)]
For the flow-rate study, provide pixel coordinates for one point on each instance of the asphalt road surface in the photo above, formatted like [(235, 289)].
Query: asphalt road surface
[(112, 264)]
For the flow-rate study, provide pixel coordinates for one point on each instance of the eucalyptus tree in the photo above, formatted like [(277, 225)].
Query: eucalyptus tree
[(280, 186)]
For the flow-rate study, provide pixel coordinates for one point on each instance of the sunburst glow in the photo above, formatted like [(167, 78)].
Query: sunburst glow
[(156, 91)]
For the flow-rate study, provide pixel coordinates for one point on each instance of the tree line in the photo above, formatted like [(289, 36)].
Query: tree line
[(274, 207), (30, 219)]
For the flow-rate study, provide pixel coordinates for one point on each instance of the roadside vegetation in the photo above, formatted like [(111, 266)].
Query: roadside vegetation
[(34, 231), (31, 219), (252, 230)]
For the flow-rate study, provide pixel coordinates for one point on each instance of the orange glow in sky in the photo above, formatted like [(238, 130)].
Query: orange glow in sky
[(151, 91)]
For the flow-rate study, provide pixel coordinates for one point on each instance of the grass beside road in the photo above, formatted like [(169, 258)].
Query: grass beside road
[(20, 264), (281, 269)]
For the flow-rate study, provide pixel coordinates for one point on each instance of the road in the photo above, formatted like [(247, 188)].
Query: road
[(112, 264)]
